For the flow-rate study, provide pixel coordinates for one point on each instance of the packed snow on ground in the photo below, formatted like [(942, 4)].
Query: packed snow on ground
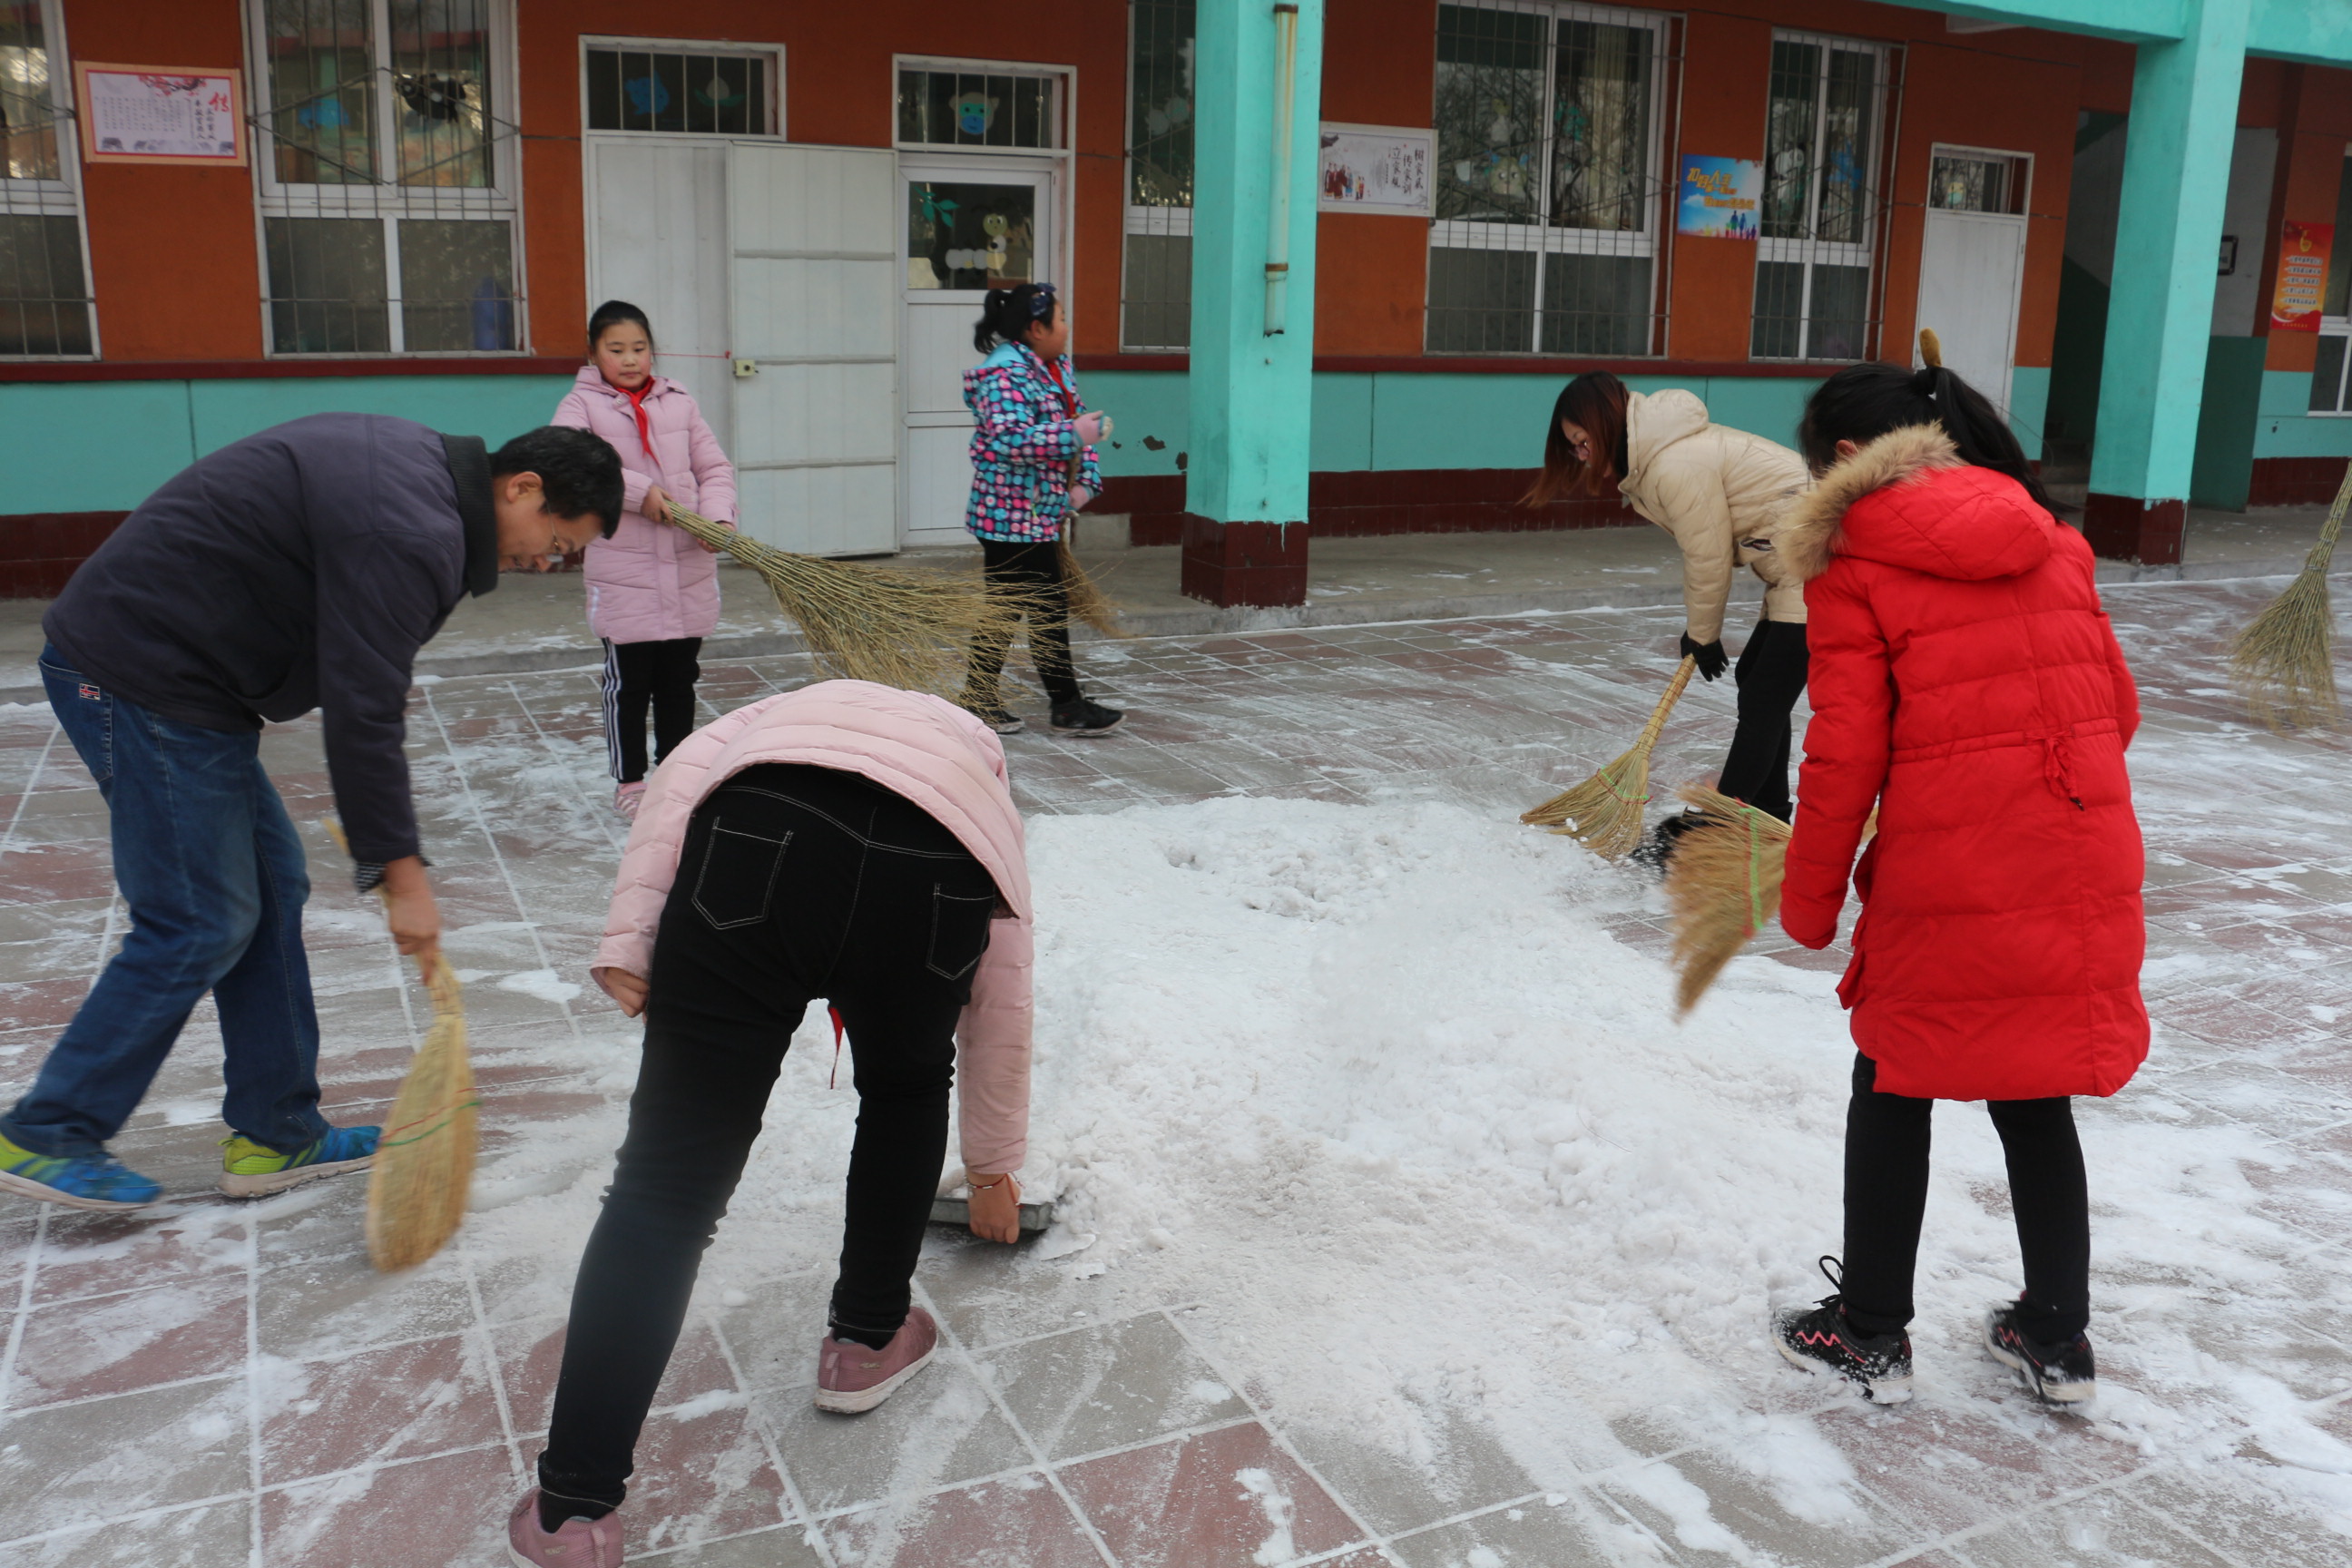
[(1377, 1085)]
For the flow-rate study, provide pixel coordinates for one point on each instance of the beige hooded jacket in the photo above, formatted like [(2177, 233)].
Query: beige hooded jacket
[(1722, 493)]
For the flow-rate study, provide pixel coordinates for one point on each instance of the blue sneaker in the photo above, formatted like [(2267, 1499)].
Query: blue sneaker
[(81, 1181), (251, 1170)]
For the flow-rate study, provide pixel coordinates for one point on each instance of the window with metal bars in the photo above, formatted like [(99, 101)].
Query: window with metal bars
[(1156, 275), (45, 296), (682, 89), (1549, 180), (1825, 115), (946, 106), (388, 176)]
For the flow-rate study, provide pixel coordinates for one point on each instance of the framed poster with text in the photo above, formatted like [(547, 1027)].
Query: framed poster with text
[(156, 115), (1720, 197), (2302, 291), (1375, 169)]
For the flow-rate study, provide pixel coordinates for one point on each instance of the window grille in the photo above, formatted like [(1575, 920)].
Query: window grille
[(1961, 181), (1815, 255), (388, 176), (976, 110), (1549, 180), (1156, 279), (2331, 380), (45, 296), (710, 92)]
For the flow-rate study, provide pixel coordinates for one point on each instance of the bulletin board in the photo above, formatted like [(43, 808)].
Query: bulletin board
[(1375, 169), (160, 114)]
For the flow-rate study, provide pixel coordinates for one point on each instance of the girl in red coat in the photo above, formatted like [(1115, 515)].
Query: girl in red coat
[(1966, 684)]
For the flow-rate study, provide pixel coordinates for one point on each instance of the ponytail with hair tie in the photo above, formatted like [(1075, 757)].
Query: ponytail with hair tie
[(1863, 402)]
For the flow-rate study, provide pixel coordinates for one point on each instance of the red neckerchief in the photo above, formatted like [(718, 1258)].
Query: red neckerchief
[(637, 406)]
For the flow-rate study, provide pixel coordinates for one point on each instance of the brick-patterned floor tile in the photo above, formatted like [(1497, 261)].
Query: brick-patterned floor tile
[(432, 1513), (114, 1344), (396, 1402), (531, 1353), (1227, 1499), (1021, 1523)]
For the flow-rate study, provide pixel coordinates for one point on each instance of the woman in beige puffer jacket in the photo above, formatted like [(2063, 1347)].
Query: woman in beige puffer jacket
[(1722, 493)]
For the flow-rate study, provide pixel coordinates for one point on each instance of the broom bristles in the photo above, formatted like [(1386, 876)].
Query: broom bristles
[(909, 629), (1722, 884), (2283, 662), (423, 1167), (1604, 812)]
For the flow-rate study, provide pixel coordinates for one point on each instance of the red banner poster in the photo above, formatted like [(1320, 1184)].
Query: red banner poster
[(2302, 277)]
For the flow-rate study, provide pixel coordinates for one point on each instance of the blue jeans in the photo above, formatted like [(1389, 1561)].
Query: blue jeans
[(210, 866)]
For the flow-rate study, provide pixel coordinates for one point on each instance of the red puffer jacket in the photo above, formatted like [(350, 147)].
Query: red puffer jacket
[(1966, 682)]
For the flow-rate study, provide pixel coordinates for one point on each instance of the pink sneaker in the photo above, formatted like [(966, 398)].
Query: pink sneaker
[(629, 797), (851, 1377), (580, 1543)]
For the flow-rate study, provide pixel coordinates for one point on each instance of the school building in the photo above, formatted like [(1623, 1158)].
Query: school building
[(1328, 262)]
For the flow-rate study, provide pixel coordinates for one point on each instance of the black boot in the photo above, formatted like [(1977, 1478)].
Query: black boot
[(1085, 717), (1819, 1339), (2061, 1374)]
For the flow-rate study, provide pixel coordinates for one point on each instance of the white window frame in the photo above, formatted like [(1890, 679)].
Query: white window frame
[(1984, 155), (60, 197), (500, 201), (774, 52), (2337, 327), (1159, 222), (1065, 105), (1812, 253), (1545, 237)]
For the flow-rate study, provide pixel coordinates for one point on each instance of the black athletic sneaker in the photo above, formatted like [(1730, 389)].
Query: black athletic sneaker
[(1085, 717), (1658, 848), (997, 719), (1818, 1339), (2061, 1374)]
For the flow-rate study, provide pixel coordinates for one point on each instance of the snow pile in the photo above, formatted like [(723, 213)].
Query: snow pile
[(1379, 1086)]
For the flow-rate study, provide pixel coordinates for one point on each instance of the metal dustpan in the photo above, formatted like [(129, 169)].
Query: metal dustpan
[(953, 1204)]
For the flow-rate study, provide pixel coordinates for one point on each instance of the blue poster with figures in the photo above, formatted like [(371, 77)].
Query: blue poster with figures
[(1720, 197)]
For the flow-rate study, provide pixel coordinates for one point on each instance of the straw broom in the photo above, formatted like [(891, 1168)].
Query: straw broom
[(908, 629), (424, 1165), (1087, 601), (1723, 883), (1604, 812), (2284, 661)]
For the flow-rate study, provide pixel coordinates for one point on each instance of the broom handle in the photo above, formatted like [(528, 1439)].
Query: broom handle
[(1666, 704)]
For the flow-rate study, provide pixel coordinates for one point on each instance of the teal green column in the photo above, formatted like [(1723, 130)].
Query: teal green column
[(2184, 112), (1252, 390)]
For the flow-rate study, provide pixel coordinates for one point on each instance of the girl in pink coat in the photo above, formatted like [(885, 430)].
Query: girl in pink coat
[(653, 591), (848, 841)]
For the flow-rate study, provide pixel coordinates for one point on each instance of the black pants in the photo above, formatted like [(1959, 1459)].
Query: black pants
[(1770, 675), (638, 675), (795, 882), (1032, 572), (1887, 1194)]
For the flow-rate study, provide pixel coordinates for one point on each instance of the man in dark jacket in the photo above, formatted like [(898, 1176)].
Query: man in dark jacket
[(299, 568)]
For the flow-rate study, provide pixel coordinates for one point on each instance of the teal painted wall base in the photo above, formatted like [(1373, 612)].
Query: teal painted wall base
[(2285, 426), (104, 446), (1425, 419)]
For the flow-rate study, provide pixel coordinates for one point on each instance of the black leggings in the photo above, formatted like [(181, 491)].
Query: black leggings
[(794, 882), (1770, 675), (638, 675), (1034, 572), (1887, 1194)]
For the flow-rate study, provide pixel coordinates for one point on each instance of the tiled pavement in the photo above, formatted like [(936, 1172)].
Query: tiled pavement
[(224, 1385)]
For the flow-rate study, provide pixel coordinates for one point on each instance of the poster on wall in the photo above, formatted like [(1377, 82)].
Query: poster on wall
[(1375, 169), (1721, 198), (2302, 292), (156, 115)]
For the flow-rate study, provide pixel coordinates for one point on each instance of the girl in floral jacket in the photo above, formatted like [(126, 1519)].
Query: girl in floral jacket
[(1033, 463)]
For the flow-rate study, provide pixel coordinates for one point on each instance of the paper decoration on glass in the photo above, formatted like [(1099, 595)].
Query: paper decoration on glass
[(2302, 289), (158, 114), (1375, 169), (1720, 197)]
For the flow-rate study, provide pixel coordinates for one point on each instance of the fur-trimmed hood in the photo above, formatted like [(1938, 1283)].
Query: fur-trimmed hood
[(1892, 502)]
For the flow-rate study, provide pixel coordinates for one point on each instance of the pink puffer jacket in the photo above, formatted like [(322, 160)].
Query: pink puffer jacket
[(925, 750), (649, 583)]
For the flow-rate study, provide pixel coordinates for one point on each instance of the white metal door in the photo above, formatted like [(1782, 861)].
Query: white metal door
[(814, 256), (657, 238), (965, 225), (1971, 272)]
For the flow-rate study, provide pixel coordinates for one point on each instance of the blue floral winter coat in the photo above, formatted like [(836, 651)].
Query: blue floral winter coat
[(1022, 447)]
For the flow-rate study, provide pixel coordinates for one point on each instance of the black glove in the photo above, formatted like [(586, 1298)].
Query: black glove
[(1711, 657)]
